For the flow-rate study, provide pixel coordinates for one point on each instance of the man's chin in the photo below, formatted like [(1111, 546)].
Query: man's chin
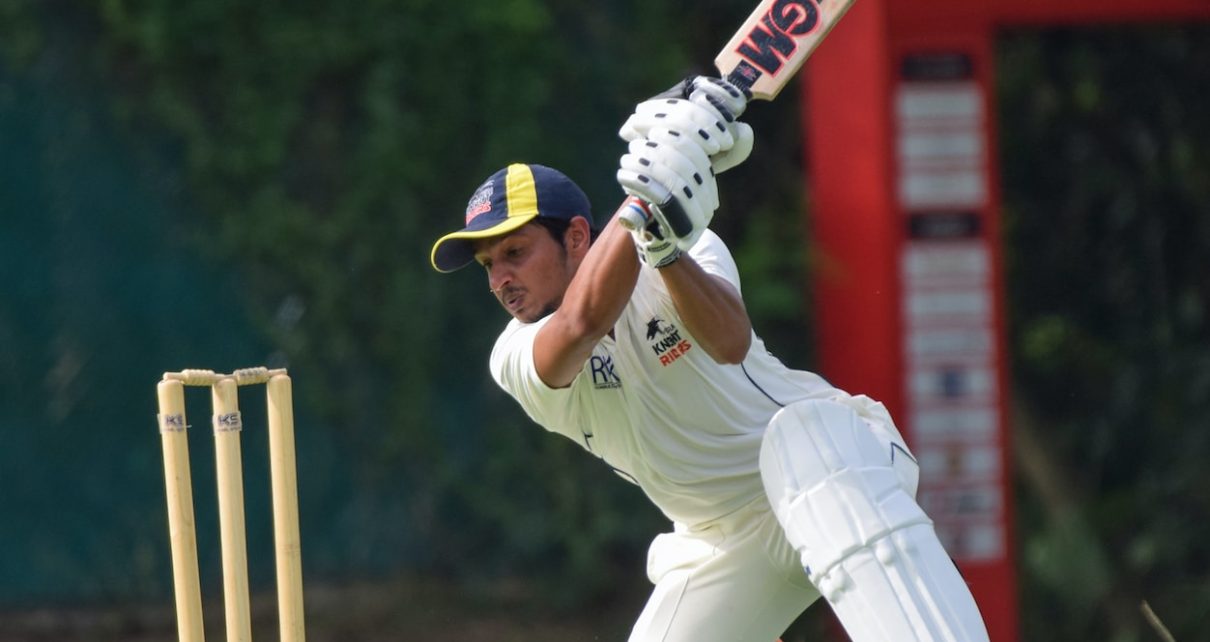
[(528, 316)]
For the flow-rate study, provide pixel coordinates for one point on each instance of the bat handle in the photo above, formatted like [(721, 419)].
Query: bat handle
[(635, 214)]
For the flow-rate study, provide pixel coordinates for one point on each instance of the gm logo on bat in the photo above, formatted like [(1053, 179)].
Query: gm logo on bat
[(772, 40)]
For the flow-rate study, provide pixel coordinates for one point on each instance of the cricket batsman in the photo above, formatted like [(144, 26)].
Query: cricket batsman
[(634, 342)]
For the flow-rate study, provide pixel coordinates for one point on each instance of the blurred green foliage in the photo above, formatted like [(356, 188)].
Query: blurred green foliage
[(1107, 214), (319, 147), (20, 38), (327, 145)]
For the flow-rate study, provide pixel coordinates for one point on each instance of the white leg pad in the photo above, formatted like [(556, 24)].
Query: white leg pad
[(864, 541)]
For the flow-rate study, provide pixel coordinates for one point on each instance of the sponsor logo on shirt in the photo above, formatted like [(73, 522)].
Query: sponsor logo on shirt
[(666, 341), (603, 374)]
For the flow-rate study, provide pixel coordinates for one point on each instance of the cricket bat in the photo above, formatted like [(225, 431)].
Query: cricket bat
[(761, 58)]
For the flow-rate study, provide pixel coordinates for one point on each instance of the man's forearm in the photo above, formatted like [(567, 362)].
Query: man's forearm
[(602, 287), (711, 308), (592, 304)]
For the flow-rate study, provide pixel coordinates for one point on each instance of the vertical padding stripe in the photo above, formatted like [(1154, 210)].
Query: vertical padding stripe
[(520, 190)]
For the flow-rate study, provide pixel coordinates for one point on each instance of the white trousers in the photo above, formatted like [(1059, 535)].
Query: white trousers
[(734, 579)]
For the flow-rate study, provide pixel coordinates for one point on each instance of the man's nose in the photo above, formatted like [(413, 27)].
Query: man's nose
[(497, 278)]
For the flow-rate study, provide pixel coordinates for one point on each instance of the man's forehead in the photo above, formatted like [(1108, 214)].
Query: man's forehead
[(483, 246)]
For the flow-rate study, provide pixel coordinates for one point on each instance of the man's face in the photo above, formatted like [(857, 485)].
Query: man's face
[(527, 271)]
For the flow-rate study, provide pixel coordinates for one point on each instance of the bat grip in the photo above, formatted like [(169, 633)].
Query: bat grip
[(635, 214)]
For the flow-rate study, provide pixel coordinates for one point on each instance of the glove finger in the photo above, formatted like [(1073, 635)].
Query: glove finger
[(672, 148), (712, 109), (655, 184), (647, 114), (686, 117), (690, 161), (641, 186), (632, 129), (664, 163), (744, 139), (684, 145), (717, 105), (711, 124), (691, 201), (635, 178), (668, 148), (731, 98)]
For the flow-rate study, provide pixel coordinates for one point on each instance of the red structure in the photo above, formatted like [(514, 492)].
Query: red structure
[(900, 132)]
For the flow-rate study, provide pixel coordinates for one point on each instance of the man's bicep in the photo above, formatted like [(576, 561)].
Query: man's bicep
[(714, 257)]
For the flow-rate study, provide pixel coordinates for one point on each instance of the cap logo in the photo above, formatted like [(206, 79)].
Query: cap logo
[(481, 202)]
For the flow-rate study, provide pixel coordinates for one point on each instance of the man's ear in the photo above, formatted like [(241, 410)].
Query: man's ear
[(579, 236)]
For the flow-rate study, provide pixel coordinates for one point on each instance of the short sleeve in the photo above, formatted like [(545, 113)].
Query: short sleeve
[(712, 254), (512, 367)]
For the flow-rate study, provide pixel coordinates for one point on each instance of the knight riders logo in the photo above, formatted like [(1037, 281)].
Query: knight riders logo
[(666, 341)]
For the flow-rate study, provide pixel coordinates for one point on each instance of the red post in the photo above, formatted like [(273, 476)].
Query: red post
[(900, 138), (900, 135), (848, 131)]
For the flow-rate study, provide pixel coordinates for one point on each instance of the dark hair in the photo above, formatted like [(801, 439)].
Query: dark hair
[(557, 228)]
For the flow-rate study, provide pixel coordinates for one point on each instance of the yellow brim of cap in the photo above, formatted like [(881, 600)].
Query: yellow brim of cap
[(455, 250)]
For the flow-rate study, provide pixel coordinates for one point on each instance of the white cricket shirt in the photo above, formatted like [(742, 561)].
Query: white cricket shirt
[(656, 407)]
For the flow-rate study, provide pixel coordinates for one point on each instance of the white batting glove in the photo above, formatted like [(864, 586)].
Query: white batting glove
[(728, 100), (654, 247), (701, 106), (682, 153), (675, 178)]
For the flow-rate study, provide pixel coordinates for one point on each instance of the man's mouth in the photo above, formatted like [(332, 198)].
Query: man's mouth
[(512, 299)]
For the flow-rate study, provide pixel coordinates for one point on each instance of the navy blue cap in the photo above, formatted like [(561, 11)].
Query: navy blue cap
[(505, 202)]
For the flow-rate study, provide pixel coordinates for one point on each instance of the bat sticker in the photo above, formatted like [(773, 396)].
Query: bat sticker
[(772, 40)]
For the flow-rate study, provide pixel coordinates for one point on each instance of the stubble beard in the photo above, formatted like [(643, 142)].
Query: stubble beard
[(550, 306)]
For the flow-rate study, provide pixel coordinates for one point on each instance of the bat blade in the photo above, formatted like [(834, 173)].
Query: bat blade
[(774, 42), (762, 57)]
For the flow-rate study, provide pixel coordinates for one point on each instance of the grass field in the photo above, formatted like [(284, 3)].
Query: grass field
[(401, 610)]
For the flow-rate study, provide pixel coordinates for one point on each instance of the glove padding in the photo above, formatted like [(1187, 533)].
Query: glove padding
[(729, 100), (669, 168), (726, 97), (701, 105)]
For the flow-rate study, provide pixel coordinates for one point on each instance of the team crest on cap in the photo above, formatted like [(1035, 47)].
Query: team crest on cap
[(481, 202)]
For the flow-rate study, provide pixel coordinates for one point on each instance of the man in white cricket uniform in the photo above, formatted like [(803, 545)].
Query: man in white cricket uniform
[(636, 345)]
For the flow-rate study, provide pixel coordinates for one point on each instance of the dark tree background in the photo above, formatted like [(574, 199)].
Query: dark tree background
[(302, 157), (1107, 188)]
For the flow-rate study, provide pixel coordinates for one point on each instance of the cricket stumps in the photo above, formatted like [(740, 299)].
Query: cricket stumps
[(228, 424)]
